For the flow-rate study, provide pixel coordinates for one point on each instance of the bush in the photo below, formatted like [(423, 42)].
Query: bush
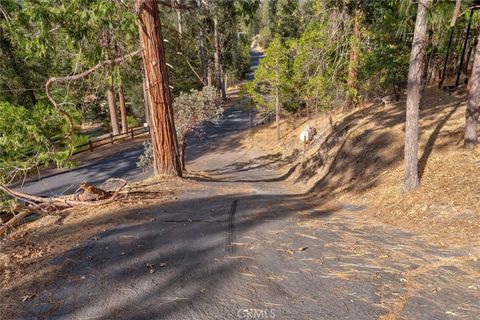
[(132, 122), (193, 108), (145, 160)]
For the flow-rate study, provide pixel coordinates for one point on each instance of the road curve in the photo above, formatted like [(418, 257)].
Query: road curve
[(123, 163)]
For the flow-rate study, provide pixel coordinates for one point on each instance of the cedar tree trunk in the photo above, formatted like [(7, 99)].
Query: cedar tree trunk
[(166, 158)]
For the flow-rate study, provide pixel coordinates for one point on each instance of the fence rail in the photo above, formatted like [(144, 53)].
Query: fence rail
[(264, 120), (110, 139)]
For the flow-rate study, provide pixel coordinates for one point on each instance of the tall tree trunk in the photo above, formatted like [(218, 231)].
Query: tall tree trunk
[(473, 103), (218, 56), (223, 87), (183, 151), (411, 179), (121, 94), (209, 75), (166, 157), (123, 107), (112, 108), (202, 51), (352, 78)]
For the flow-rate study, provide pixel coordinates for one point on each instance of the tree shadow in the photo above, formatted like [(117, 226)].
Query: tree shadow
[(107, 276), (422, 162)]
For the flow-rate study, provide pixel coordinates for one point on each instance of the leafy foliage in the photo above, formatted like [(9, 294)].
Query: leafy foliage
[(29, 138), (273, 74), (146, 158), (194, 108)]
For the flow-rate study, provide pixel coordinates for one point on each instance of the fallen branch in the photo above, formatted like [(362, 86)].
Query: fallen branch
[(78, 76), (49, 204), (192, 68), (14, 221)]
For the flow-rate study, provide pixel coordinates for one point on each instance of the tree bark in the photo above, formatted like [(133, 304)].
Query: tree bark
[(218, 56), (164, 138), (352, 78), (209, 75), (121, 93), (112, 108), (473, 102), (123, 107), (411, 178), (146, 98), (183, 151), (202, 51), (179, 17)]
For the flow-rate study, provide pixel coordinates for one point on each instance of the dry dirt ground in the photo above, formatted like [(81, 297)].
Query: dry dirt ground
[(260, 228)]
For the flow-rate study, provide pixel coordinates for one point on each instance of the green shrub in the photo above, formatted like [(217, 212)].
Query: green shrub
[(132, 122)]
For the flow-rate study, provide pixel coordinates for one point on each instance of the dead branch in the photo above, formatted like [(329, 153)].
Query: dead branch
[(49, 204), (173, 5), (15, 221), (192, 68), (78, 76)]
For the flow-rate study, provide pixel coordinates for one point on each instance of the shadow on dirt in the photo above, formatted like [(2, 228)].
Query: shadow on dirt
[(107, 276)]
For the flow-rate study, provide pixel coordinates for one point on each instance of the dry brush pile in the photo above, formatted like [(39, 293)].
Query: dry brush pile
[(86, 195)]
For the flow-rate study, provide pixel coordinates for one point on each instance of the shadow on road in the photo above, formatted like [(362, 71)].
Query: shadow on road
[(107, 276)]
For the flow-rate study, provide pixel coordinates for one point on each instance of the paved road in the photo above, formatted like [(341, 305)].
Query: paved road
[(123, 163)]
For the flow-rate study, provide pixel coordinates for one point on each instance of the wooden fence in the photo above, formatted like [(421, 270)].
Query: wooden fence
[(269, 117), (110, 139)]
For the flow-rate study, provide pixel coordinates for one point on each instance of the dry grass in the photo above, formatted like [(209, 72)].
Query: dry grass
[(364, 165), (361, 162)]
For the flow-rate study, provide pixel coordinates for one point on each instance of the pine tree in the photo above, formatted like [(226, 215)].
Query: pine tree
[(272, 80)]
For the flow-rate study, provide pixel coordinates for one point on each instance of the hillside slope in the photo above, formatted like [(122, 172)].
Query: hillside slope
[(361, 161)]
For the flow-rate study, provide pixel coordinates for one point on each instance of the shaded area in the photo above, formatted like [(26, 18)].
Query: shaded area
[(349, 269)]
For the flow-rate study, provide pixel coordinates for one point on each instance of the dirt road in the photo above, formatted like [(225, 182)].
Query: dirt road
[(245, 246)]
